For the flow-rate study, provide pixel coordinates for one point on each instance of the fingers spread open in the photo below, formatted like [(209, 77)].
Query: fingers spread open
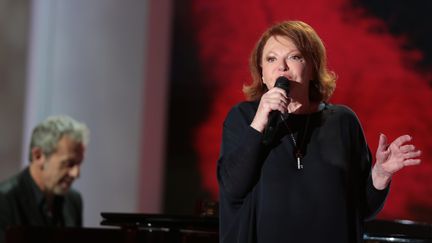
[(407, 148), (382, 144), (410, 162), (401, 140), (412, 155)]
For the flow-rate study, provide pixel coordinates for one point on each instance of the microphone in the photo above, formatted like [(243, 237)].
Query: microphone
[(275, 116)]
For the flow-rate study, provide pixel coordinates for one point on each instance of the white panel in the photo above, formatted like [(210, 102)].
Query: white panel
[(39, 85)]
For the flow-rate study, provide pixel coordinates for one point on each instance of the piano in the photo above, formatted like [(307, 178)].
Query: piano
[(162, 228)]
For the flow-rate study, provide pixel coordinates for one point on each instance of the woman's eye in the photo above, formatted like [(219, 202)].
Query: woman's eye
[(296, 58), (271, 59)]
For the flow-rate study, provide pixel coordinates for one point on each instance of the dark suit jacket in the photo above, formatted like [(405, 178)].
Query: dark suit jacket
[(19, 205)]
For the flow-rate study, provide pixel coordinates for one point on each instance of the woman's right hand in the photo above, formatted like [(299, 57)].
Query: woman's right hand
[(274, 99)]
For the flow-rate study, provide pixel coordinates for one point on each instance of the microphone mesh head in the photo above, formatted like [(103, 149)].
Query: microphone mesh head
[(283, 83)]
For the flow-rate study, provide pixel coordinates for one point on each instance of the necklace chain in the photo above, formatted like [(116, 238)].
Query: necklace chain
[(298, 149)]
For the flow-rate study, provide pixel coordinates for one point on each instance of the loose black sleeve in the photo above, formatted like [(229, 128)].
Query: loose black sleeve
[(372, 199), (242, 152)]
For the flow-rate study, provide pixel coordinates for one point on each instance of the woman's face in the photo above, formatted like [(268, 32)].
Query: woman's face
[(282, 58)]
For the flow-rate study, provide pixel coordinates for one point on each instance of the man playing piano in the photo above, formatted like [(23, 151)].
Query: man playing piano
[(41, 194)]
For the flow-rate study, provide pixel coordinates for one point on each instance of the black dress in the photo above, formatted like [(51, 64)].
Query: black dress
[(264, 197)]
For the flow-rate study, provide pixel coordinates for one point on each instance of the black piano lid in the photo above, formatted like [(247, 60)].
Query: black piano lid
[(159, 221), (375, 229), (399, 228)]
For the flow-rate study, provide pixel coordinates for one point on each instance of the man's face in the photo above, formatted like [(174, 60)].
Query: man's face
[(62, 167)]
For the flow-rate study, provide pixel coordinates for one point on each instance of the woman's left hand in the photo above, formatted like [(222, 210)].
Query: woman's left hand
[(391, 158)]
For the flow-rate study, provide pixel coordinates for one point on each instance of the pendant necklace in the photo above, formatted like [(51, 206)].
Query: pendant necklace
[(298, 146)]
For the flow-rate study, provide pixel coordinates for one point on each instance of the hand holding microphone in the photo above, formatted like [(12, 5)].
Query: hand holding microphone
[(272, 105)]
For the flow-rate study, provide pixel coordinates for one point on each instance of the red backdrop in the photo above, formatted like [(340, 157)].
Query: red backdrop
[(376, 79)]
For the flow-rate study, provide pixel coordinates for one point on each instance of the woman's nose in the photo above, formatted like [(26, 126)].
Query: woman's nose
[(283, 66)]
